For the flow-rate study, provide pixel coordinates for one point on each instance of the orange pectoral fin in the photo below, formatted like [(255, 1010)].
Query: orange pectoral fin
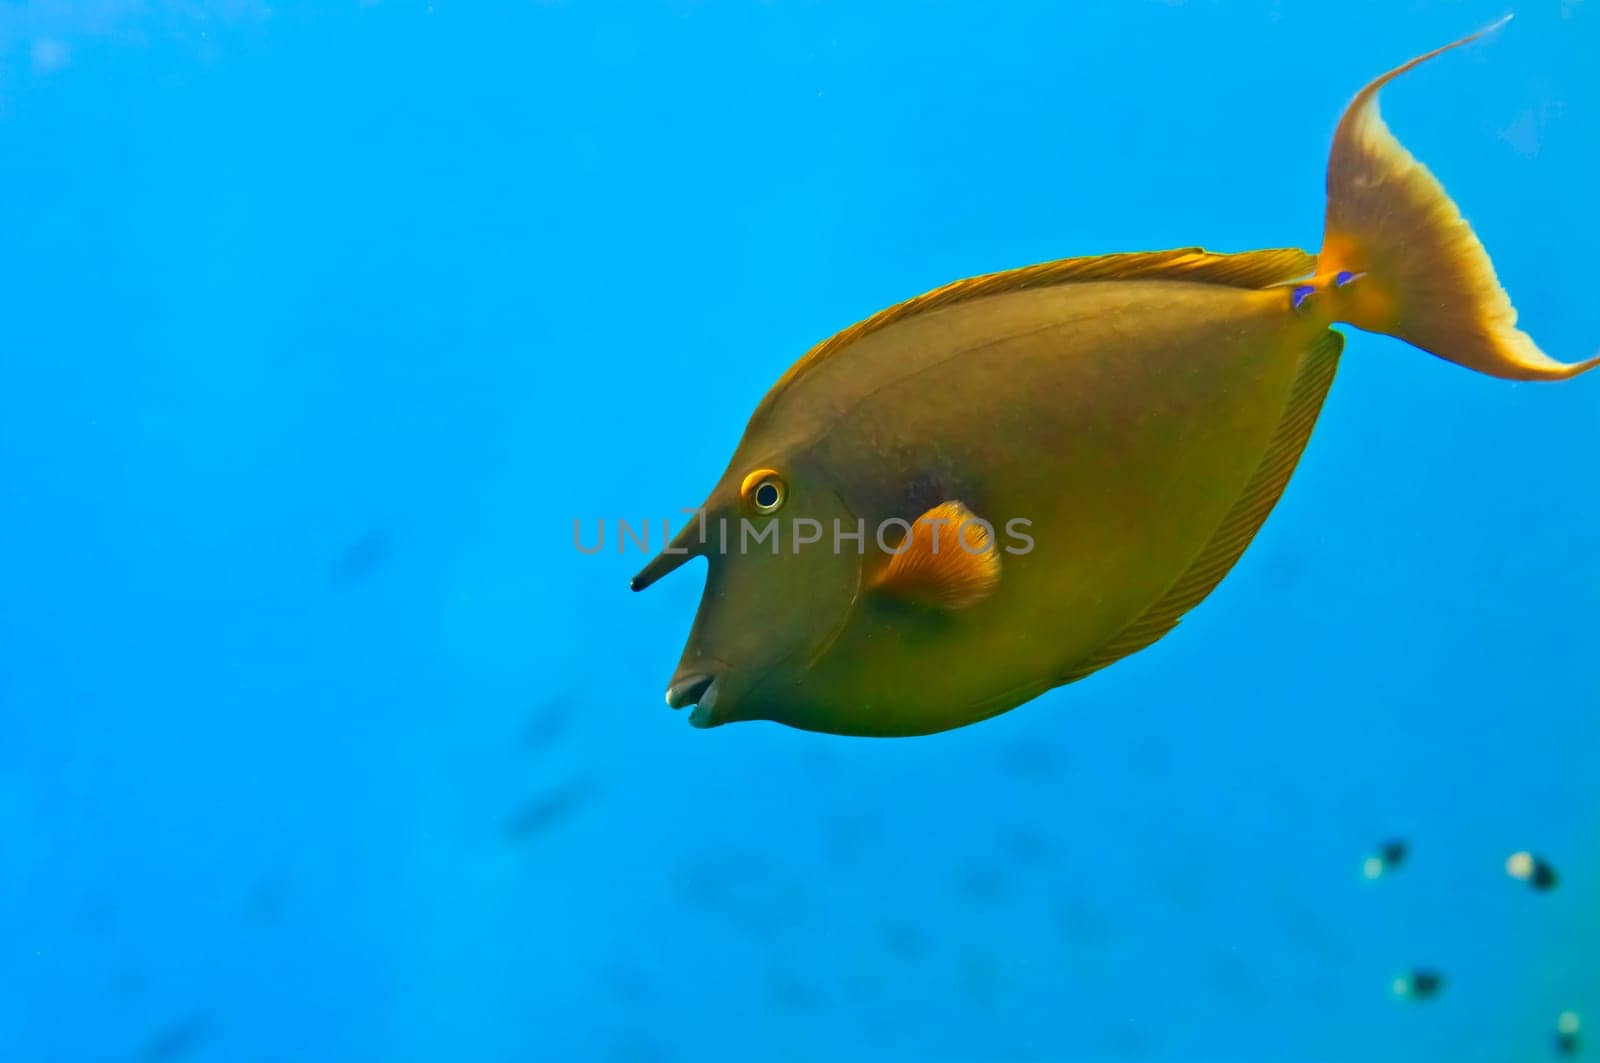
[(947, 560)]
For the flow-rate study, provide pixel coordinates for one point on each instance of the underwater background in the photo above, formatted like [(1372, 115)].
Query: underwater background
[(321, 325)]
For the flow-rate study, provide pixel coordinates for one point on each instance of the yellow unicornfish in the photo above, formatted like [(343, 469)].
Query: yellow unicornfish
[(1014, 480)]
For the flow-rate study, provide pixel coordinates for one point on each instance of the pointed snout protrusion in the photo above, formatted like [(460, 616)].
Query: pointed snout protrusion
[(684, 545)]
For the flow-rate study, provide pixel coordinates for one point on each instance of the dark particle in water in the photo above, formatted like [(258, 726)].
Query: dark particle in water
[(99, 916), (127, 983), (1420, 984), (545, 726), (628, 985), (361, 559), (1303, 926), (539, 814), (1025, 847), (983, 885), (637, 1048), (848, 840), (903, 942), (1030, 760), (1084, 927), (1230, 974), (267, 900), (793, 994), (983, 976), (747, 889), (177, 1041), (1533, 870), (1184, 881), (1390, 856), (1567, 1041), (1151, 759), (1126, 1040)]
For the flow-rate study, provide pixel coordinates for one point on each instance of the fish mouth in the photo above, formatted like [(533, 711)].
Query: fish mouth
[(699, 690)]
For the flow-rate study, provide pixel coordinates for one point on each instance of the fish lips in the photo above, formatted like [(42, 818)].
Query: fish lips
[(698, 685)]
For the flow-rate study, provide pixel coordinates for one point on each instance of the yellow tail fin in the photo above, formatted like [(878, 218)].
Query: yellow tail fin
[(1398, 258)]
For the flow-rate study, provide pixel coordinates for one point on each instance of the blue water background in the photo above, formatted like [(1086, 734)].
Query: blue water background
[(320, 325)]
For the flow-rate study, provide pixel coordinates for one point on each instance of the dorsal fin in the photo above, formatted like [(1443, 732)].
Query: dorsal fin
[(1248, 269), (1249, 512)]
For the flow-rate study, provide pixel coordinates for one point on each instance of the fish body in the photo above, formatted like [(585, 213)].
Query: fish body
[(1099, 439), (1152, 435)]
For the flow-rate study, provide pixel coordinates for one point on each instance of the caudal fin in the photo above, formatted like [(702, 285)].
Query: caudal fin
[(1400, 259)]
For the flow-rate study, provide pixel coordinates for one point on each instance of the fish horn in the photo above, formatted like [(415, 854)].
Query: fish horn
[(685, 545), (1398, 258)]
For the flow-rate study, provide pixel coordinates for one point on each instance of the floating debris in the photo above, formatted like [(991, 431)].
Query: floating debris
[(1151, 759), (177, 1041), (1388, 857), (1419, 984), (1030, 760), (1084, 926), (545, 725), (790, 992), (1567, 1042), (361, 559), (984, 975), (903, 942), (267, 900), (539, 814), (1526, 867), (637, 1048), (982, 884), (1025, 847), (127, 982), (1302, 927), (848, 840), (748, 890)]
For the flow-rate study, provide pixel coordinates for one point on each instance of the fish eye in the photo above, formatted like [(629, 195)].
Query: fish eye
[(764, 489)]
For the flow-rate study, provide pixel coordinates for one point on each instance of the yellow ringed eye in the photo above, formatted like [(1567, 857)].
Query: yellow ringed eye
[(764, 490)]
